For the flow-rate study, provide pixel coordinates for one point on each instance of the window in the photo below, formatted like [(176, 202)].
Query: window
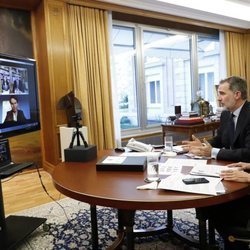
[(166, 56), (208, 67), (125, 75), (154, 92), (157, 69)]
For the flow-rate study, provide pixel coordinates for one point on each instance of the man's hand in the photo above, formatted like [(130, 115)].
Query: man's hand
[(204, 149), (196, 147), (187, 145)]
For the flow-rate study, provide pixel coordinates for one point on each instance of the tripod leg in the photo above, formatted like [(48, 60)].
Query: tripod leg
[(78, 139), (85, 143), (72, 140)]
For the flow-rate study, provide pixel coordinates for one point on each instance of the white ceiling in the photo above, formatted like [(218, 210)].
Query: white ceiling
[(234, 13)]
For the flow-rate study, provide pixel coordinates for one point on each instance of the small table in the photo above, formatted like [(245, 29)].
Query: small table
[(117, 189), (190, 129)]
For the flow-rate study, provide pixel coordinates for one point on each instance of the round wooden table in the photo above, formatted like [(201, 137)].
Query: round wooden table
[(117, 189)]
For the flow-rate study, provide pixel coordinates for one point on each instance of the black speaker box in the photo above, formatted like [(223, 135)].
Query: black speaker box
[(80, 153)]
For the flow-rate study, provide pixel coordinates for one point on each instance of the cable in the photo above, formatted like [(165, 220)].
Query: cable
[(46, 191), (52, 198)]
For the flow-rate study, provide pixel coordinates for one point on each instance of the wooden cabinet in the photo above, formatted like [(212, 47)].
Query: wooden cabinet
[(190, 129)]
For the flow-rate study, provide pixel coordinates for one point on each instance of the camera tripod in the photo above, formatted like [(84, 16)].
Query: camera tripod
[(77, 134)]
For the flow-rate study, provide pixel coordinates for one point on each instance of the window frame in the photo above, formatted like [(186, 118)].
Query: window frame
[(143, 127)]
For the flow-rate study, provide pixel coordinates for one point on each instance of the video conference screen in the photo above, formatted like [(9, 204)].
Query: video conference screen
[(19, 111)]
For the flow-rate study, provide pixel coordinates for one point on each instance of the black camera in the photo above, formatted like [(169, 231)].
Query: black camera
[(77, 117)]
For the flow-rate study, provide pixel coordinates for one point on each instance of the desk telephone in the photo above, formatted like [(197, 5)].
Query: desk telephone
[(139, 146)]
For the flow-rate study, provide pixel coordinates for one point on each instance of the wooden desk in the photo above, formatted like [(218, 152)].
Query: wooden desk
[(116, 189), (190, 129)]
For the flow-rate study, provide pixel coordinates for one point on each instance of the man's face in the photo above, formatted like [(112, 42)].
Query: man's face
[(227, 97), (13, 104)]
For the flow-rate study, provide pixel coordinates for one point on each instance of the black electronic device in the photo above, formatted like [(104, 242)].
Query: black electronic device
[(78, 152), (189, 181), (72, 107), (119, 149), (13, 228), (7, 167), (18, 81), (77, 134)]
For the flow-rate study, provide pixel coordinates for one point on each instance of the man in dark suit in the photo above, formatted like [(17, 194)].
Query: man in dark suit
[(15, 114), (232, 144)]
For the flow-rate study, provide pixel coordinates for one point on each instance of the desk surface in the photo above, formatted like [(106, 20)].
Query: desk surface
[(116, 189)]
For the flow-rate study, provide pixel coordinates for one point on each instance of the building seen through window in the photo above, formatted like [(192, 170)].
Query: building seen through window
[(156, 69)]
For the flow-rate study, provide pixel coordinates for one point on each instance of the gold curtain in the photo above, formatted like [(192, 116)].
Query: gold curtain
[(238, 58), (247, 54), (91, 72), (235, 54)]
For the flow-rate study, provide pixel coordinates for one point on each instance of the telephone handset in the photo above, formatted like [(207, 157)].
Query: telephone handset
[(139, 146)]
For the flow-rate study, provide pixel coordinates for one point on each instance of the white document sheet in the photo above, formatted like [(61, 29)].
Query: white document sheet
[(174, 182), (152, 185), (114, 160), (209, 170), (173, 165)]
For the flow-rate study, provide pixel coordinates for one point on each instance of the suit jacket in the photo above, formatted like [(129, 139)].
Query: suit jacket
[(20, 116), (240, 149)]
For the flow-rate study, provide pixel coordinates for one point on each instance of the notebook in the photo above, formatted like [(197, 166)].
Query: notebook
[(7, 167), (122, 163)]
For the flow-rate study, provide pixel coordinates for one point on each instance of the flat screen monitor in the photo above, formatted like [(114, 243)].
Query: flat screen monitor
[(19, 109)]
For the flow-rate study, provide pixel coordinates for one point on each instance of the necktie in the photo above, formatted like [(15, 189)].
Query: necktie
[(232, 128)]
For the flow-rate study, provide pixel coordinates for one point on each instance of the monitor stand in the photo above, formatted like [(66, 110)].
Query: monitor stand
[(14, 229)]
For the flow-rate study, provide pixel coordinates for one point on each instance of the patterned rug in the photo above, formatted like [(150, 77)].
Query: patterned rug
[(68, 227)]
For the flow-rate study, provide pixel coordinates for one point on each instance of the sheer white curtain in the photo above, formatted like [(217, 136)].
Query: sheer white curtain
[(223, 68), (114, 89)]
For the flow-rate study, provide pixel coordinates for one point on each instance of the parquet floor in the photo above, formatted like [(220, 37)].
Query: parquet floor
[(24, 190)]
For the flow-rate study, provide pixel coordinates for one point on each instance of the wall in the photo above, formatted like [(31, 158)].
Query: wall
[(16, 39), (52, 50)]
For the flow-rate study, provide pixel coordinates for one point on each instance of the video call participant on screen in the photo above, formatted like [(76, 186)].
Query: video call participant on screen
[(4, 83), (230, 143), (15, 114)]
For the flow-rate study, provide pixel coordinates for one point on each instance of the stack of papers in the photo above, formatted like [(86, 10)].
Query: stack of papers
[(209, 170), (174, 182), (200, 168), (174, 165)]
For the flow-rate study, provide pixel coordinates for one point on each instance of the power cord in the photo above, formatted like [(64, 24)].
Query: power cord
[(52, 198), (46, 191)]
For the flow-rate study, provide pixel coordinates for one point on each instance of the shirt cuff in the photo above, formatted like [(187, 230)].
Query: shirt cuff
[(215, 152)]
